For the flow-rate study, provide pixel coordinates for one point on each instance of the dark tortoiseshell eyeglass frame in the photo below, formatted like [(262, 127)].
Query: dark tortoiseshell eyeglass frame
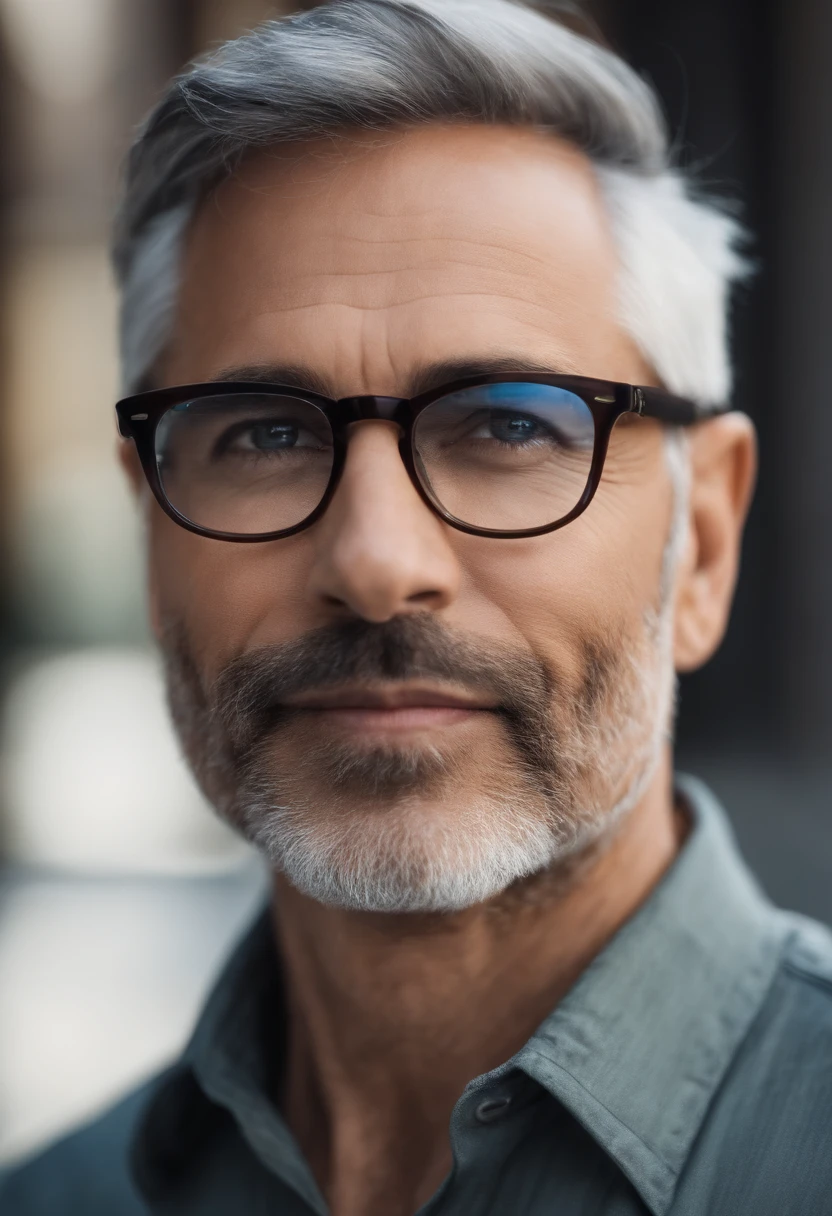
[(139, 415)]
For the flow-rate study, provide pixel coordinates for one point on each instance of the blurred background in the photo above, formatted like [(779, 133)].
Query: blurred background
[(119, 892)]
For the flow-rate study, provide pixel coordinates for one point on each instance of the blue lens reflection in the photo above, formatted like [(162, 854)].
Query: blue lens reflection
[(562, 412)]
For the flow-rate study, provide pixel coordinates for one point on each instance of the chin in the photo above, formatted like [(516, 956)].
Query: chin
[(418, 839)]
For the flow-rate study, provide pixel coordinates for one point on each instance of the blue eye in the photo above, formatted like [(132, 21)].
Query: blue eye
[(514, 428), (269, 437)]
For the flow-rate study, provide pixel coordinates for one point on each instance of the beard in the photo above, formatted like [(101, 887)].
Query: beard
[(425, 826)]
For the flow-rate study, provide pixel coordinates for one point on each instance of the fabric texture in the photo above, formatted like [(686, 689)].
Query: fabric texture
[(687, 1073)]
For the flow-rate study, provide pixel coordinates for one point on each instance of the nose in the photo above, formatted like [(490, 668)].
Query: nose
[(380, 551)]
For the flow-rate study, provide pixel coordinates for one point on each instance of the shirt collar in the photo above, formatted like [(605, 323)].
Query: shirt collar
[(638, 1047), (635, 1051), (233, 1059)]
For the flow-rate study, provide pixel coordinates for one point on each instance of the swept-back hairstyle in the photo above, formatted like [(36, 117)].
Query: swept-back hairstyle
[(380, 64)]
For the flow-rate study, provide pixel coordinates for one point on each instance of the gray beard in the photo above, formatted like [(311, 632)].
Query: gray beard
[(425, 829)]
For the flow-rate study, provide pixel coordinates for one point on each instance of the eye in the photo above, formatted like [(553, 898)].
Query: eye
[(278, 435), (267, 436), (513, 429), (508, 429)]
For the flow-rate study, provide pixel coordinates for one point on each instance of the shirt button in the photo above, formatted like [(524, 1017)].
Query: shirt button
[(492, 1109)]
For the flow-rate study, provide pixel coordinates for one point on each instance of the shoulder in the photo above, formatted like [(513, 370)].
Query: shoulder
[(792, 1038), (787, 1055), (808, 954), (766, 1145), (86, 1172)]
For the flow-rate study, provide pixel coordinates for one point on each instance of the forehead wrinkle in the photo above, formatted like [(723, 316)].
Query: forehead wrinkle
[(440, 263), (542, 336), (423, 259), (430, 231), (387, 306), (376, 358), (516, 276), (431, 226), (497, 246), (511, 247), (333, 254), (275, 308)]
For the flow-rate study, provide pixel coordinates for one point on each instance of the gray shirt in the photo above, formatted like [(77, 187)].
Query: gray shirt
[(688, 1072)]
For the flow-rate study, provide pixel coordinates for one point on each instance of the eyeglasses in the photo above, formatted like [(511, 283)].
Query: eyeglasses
[(492, 455)]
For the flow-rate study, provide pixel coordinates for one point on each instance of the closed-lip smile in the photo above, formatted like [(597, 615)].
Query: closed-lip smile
[(390, 708), (389, 697)]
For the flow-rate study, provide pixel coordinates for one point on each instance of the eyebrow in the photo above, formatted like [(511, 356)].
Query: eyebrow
[(422, 379), (290, 375), (431, 376)]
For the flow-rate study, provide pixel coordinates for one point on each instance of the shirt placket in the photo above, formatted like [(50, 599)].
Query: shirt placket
[(487, 1123)]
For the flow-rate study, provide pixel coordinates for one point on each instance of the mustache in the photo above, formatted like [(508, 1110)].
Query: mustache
[(249, 694)]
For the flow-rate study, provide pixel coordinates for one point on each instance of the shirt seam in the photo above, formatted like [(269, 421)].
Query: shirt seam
[(809, 977)]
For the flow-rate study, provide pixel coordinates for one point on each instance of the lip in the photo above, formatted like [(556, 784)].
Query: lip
[(388, 699), (391, 710)]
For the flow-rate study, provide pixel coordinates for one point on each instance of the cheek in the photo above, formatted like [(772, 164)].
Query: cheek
[(595, 578), (228, 596)]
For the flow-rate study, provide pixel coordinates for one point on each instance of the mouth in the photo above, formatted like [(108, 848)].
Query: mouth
[(391, 709)]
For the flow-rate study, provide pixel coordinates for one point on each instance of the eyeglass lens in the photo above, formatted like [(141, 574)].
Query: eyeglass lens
[(244, 463), (503, 457), (506, 457)]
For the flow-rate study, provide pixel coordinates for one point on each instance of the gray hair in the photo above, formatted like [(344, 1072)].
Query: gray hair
[(380, 64)]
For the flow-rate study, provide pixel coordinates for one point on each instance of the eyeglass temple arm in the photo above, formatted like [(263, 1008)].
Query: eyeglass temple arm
[(656, 403)]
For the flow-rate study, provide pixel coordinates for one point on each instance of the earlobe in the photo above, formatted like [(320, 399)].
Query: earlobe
[(723, 455)]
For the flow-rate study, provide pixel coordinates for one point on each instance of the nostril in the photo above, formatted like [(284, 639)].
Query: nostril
[(334, 601)]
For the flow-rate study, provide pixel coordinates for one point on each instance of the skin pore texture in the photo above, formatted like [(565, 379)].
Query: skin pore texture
[(362, 264)]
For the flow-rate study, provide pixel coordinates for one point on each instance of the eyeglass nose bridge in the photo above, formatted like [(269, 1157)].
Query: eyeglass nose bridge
[(395, 410), (370, 408)]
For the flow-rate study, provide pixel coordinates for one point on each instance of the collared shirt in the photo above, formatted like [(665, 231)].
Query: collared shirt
[(687, 1073)]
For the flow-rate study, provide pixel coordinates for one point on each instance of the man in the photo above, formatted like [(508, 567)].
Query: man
[(424, 343)]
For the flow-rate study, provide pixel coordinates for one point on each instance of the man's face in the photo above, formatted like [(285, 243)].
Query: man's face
[(403, 715)]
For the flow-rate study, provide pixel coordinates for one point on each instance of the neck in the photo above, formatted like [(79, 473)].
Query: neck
[(391, 1016)]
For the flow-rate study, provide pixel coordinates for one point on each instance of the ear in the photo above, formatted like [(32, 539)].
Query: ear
[(723, 456)]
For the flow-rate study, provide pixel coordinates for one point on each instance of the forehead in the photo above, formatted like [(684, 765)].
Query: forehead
[(399, 246)]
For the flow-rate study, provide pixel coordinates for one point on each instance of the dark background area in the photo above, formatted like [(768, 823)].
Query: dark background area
[(715, 65), (748, 94)]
